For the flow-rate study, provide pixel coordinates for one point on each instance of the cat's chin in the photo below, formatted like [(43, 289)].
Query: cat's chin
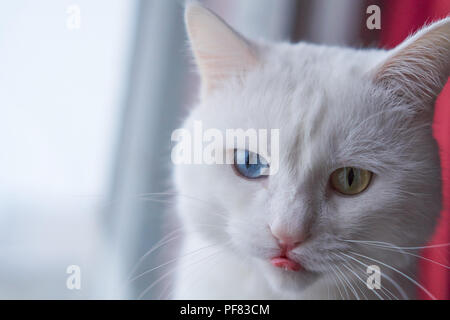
[(288, 281)]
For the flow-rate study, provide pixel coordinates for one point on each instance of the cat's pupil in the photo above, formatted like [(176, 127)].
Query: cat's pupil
[(247, 159), (350, 177)]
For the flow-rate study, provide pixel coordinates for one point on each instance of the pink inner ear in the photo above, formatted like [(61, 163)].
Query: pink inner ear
[(216, 69), (220, 52)]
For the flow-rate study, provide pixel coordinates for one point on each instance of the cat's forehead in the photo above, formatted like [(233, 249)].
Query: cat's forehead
[(311, 93), (301, 85), (319, 62)]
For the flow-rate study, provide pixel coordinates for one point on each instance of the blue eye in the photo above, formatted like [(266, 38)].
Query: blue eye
[(250, 165)]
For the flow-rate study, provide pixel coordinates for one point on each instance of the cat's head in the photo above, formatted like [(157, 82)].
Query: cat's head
[(357, 159)]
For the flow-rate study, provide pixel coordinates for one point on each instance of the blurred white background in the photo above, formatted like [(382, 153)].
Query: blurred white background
[(61, 97)]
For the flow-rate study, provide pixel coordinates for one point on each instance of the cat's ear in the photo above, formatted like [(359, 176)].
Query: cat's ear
[(219, 51), (419, 68)]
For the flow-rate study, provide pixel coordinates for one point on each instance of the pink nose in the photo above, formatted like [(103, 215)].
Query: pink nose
[(287, 242), (287, 245)]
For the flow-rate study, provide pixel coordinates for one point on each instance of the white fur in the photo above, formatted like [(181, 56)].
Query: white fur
[(335, 108)]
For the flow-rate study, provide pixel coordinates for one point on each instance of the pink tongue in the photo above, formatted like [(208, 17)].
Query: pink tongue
[(285, 263)]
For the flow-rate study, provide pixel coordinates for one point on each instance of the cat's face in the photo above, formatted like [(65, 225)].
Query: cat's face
[(331, 114)]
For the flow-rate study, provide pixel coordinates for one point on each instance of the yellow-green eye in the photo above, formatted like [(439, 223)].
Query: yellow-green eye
[(350, 181)]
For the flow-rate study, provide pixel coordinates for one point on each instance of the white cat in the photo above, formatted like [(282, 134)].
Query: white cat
[(359, 180)]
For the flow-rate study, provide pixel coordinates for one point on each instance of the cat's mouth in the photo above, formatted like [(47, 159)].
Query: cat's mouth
[(286, 264)]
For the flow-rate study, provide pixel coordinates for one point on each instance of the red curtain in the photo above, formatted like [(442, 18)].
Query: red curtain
[(399, 19)]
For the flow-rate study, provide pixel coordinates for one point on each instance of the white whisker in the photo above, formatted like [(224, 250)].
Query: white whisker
[(401, 273), (394, 283)]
